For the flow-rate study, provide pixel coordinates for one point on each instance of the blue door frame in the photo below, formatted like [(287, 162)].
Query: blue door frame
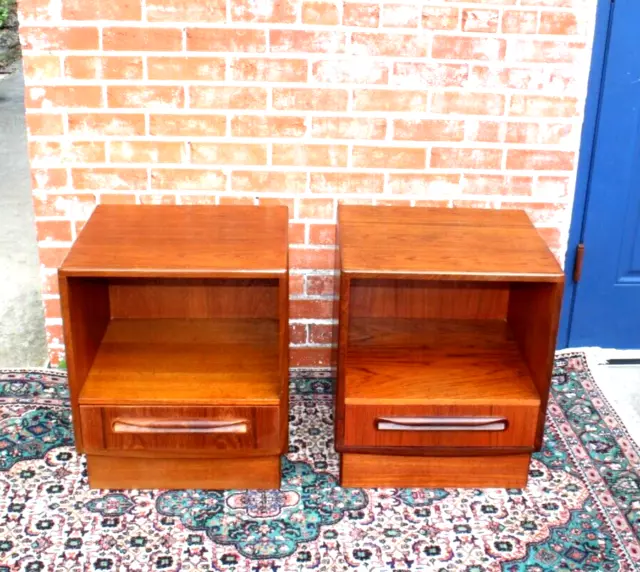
[(581, 198)]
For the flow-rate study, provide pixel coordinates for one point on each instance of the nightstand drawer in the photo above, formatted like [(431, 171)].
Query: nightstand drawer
[(210, 431), (440, 425)]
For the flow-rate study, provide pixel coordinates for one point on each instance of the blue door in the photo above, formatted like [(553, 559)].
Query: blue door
[(606, 306)]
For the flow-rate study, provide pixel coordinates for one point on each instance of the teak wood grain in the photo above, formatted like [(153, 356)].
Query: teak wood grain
[(174, 319), (443, 244), (181, 241)]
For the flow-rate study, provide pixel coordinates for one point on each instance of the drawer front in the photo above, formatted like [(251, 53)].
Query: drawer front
[(211, 431), (440, 425)]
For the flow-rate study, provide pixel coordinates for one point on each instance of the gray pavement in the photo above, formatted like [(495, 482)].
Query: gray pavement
[(22, 334)]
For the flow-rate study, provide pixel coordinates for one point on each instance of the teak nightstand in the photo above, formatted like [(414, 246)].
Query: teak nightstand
[(447, 328), (176, 329)]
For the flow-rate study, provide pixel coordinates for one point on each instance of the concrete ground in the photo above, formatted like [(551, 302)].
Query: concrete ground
[(22, 334)]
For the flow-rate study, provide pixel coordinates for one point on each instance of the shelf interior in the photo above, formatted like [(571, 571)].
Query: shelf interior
[(191, 361), (435, 361)]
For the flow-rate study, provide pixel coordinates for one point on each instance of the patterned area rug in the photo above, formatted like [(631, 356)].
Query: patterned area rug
[(581, 510)]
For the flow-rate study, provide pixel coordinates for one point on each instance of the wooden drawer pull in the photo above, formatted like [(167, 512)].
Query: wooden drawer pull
[(441, 424), (178, 426)]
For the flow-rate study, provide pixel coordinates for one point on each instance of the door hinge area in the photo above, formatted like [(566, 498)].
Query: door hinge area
[(579, 261)]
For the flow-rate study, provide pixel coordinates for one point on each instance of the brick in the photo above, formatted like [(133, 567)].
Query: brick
[(554, 3), (347, 183), (315, 209), (269, 70), (361, 15), (309, 258), (49, 282), (542, 106), (447, 157), (52, 308), (466, 48), (519, 22), (190, 68), (58, 38), (468, 103), (321, 285), (269, 181), (69, 206), (310, 155), (145, 96), (400, 15), (296, 233), (89, 67), (424, 184), (63, 96), (146, 152), (227, 97), (492, 2), (305, 309), (321, 333), (297, 333), (543, 78), (156, 199), (552, 188), (552, 237), (311, 357), (268, 126), (66, 152), (562, 23), (30, 11), (389, 157), (109, 124), (310, 99), (389, 100), (225, 40), (480, 20), (296, 281), (440, 18), (320, 13), (309, 42), (187, 125), (348, 128), (280, 11), (228, 154), (117, 199), (44, 124), (559, 134), (486, 131), (196, 199), (540, 160), (49, 179), (547, 52), (142, 39), (186, 11), (43, 67), (52, 258), (541, 213), (428, 130), (377, 44), (425, 75), (53, 230), (277, 202), (351, 71), (112, 10), (322, 234), (109, 179), (187, 180), (496, 185)]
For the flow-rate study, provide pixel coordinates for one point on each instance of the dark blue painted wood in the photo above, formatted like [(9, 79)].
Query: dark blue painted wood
[(606, 310), (592, 109)]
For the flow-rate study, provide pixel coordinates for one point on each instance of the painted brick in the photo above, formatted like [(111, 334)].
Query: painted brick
[(41, 67), (189, 68), (142, 39), (563, 23), (59, 38), (404, 15), (146, 152), (346, 183), (542, 106), (315, 209), (44, 124), (446, 157), (281, 11), (320, 13), (49, 179), (349, 128), (310, 99), (519, 22), (223, 97), (66, 152), (424, 75), (187, 180), (110, 124), (496, 185), (187, 125), (548, 52), (543, 160), (389, 157), (424, 184), (269, 70), (540, 78), (468, 103), (361, 15), (480, 20), (53, 230), (552, 188), (117, 199), (225, 40), (296, 234), (38, 11), (467, 48), (268, 126), (307, 41), (112, 10), (71, 206), (312, 259), (185, 11), (228, 154), (311, 155), (389, 100), (377, 44), (140, 96), (109, 179), (322, 234), (440, 17), (269, 181), (115, 67), (63, 96), (156, 199), (428, 130), (352, 70)]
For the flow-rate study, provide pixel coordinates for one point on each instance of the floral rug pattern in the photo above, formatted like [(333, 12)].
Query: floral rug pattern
[(580, 511)]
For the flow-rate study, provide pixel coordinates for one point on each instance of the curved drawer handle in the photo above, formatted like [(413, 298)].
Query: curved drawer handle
[(178, 426), (441, 424)]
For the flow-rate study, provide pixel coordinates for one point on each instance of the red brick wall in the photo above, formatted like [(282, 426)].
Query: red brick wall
[(305, 103)]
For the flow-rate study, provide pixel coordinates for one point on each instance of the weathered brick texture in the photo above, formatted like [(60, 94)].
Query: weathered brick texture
[(305, 103)]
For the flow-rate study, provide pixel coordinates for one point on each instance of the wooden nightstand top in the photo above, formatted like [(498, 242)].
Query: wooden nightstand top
[(443, 244), (181, 241)]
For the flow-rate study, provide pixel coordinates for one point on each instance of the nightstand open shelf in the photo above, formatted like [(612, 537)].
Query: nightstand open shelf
[(176, 326), (445, 346)]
